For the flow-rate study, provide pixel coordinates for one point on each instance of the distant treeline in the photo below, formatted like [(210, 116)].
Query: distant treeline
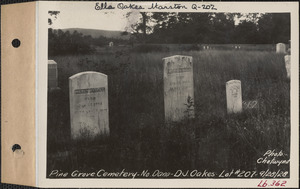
[(213, 28), (65, 42), (183, 28)]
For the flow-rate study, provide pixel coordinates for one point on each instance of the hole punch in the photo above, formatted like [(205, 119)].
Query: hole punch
[(16, 43), (16, 147), (18, 153)]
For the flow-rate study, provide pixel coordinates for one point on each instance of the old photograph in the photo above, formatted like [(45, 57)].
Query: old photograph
[(168, 94)]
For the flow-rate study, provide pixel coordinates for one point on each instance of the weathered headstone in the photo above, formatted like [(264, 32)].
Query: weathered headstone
[(111, 44), (289, 48), (287, 60), (280, 48), (52, 74), (88, 105), (234, 96), (178, 88)]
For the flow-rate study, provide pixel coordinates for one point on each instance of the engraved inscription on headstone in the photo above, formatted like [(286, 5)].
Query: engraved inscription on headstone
[(52, 74), (287, 60), (88, 105), (178, 88), (280, 48), (234, 96)]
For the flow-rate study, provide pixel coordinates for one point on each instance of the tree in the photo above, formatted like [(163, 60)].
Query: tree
[(274, 28), (219, 28), (222, 28), (141, 27), (246, 33)]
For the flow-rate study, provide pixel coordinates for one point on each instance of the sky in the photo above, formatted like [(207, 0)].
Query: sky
[(102, 21), (85, 16)]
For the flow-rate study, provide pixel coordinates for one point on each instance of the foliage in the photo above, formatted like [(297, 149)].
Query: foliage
[(213, 28), (60, 42), (180, 28), (139, 137)]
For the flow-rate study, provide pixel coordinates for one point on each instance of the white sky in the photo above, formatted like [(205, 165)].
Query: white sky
[(84, 15)]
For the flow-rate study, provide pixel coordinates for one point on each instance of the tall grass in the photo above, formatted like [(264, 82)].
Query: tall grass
[(140, 139)]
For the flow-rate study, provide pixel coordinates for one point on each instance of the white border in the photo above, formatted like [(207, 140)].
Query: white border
[(41, 113)]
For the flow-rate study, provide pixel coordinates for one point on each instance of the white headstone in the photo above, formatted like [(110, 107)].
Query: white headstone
[(289, 48), (234, 96), (88, 105), (111, 44), (52, 74), (178, 88), (287, 60), (280, 48)]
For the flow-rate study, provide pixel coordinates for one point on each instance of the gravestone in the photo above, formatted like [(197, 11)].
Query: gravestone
[(178, 88), (52, 74), (289, 48), (234, 96), (280, 48), (111, 44), (287, 60), (88, 105)]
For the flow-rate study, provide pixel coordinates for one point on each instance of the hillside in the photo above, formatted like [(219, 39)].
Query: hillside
[(97, 33)]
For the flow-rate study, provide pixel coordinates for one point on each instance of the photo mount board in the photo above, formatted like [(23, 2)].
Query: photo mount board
[(33, 162)]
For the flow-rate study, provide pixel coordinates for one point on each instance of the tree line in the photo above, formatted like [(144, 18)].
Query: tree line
[(212, 28), (66, 42), (181, 28)]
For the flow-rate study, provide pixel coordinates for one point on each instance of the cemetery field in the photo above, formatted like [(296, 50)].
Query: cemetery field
[(139, 138)]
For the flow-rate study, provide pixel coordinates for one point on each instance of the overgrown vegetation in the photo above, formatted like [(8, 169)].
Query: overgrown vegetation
[(179, 28), (139, 137)]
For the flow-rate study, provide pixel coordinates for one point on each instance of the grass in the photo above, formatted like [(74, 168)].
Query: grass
[(139, 138)]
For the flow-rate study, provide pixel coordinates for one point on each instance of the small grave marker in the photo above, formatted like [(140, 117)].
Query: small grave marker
[(280, 48), (111, 44), (88, 105), (234, 96), (52, 74), (178, 88), (287, 60)]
